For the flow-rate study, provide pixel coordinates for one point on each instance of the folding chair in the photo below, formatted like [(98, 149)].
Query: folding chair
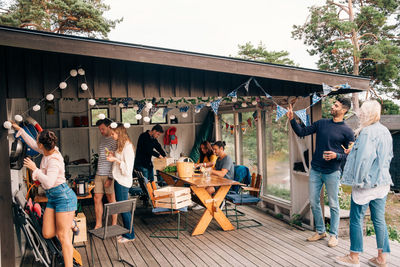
[(249, 195), (113, 231), (150, 187)]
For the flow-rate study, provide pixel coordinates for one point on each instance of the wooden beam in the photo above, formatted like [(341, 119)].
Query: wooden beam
[(130, 52)]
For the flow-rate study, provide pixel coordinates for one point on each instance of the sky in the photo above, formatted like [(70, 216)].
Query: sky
[(213, 27)]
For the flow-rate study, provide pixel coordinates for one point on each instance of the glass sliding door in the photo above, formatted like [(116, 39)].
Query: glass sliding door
[(248, 141), (228, 134)]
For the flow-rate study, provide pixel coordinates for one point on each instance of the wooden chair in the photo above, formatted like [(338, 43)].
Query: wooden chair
[(150, 187), (112, 231), (248, 195)]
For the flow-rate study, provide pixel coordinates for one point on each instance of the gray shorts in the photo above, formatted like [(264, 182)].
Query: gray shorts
[(99, 188)]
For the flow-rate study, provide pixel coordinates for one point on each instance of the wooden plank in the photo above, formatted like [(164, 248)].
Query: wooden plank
[(118, 79), (51, 74), (151, 80), (15, 73), (135, 80), (210, 84), (86, 64), (101, 80), (34, 75), (68, 63), (3, 77), (182, 82), (167, 81), (6, 213), (224, 84), (196, 83)]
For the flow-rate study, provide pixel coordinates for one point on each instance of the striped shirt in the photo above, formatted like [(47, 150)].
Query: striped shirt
[(104, 167)]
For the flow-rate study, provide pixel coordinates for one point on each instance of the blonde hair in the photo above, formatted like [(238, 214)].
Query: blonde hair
[(123, 137), (370, 112)]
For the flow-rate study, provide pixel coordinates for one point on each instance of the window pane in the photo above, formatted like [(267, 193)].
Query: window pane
[(129, 115), (228, 135), (248, 135), (277, 156), (97, 111), (158, 116)]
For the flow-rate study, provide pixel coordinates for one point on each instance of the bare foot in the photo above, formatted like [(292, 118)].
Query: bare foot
[(97, 227)]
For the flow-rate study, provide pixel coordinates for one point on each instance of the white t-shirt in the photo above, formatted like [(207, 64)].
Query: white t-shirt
[(362, 196)]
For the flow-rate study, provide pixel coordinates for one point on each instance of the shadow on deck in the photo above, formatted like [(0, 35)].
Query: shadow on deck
[(273, 244)]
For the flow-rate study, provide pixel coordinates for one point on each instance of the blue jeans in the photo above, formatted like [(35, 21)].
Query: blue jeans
[(331, 181), (148, 173), (357, 212), (121, 194)]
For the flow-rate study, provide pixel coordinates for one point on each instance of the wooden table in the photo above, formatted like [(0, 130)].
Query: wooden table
[(198, 184)]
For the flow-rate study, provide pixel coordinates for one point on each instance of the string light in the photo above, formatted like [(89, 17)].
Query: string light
[(146, 119), (84, 86), (92, 102), (184, 115), (127, 125), (81, 71), (36, 108), (114, 125), (172, 117), (149, 105), (73, 72), (7, 125), (18, 118), (138, 116), (50, 97), (101, 116), (62, 85)]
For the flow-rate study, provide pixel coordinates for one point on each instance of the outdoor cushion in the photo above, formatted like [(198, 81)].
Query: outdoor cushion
[(239, 199), (158, 210)]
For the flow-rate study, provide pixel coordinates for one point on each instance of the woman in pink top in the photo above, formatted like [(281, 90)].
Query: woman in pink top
[(59, 215)]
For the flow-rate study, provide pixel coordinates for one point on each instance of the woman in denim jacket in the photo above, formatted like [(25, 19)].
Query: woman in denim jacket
[(367, 171)]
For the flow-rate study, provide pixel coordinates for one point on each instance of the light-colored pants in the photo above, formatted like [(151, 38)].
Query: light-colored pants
[(331, 181)]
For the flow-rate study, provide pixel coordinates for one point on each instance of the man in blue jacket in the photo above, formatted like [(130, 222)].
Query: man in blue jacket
[(331, 136)]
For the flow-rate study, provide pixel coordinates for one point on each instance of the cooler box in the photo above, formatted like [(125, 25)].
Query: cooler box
[(179, 197)]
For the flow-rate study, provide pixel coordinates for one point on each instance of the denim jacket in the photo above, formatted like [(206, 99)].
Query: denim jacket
[(368, 163)]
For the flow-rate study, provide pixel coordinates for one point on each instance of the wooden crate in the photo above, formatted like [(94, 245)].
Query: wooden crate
[(179, 197), (81, 222), (160, 164)]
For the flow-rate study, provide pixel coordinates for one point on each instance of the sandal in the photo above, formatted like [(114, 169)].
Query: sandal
[(75, 228)]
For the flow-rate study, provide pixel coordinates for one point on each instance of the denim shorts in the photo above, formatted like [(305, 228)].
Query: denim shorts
[(61, 198)]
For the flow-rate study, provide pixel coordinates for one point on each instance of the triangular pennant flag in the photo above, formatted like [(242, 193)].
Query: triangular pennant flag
[(302, 114), (246, 85), (262, 89), (165, 112), (233, 94), (140, 107), (326, 88), (280, 111), (184, 109), (215, 105), (343, 86), (198, 107), (315, 99), (152, 111)]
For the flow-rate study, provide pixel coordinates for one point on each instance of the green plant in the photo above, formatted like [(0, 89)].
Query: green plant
[(296, 220), (279, 192), (393, 232), (279, 216)]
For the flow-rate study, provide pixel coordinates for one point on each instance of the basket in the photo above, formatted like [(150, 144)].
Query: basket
[(185, 169)]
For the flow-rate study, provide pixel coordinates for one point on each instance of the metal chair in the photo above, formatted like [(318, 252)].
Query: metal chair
[(249, 195), (113, 231)]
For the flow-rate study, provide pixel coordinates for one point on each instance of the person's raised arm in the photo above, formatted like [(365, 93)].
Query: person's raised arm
[(159, 149), (27, 138), (300, 131)]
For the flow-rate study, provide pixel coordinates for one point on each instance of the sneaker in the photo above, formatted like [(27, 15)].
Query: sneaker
[(197, 207), (333, 241), (125, 240), (374, 262), (316, 237), (347, 261)]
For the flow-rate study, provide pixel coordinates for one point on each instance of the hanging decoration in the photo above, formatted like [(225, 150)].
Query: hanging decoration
[(280, 111), (232, 129), (326, 88), (315, 99), (152, 111), (140, 107), (302, 114), (215, 105), (165, 112), (198, 108), (249, 122), (255, 115)]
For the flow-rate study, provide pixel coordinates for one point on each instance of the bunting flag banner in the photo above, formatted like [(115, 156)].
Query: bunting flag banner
[(227, 126), (246, 85), (215, 105), (315, 99), (280, 111), (249, 122), (165, 112), (199, 107), (326, 88), (343, 86), (233, 94), (140, 106), (262, 89), (152, 111), (255, 115), (184, 109), (302, 114)]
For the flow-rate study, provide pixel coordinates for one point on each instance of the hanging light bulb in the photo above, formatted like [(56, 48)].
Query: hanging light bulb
[(234, 99), (18, 118), (101, 116), (184, 115), (149, 105), (138, 116), (81, 71), (254, 102), (92, 102), (73, 72), (50, 97), (113, 125), (36, 107), (244, 105), (62, 85), (127, 125), (146, 109), (146, 119), (172, 117), (84, 86), (7, 125)]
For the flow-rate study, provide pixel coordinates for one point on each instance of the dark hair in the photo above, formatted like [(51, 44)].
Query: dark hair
[(220, 144), (105, 121), (346, 102), (157, 128), (48, 139), (209, 152)]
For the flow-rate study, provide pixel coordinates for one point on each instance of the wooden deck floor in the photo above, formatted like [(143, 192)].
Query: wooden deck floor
[(273, 244)]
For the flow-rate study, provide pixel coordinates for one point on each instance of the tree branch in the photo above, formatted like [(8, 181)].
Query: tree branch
[(368, 34), (344, 8)]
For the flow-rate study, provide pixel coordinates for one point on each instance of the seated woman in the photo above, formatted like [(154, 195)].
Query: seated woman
[(207, 157)]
